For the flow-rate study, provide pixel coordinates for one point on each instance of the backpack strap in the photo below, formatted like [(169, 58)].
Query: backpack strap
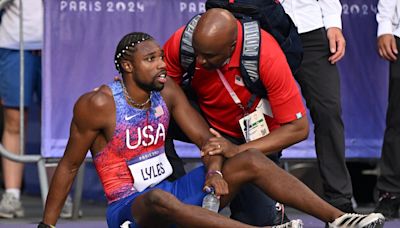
[(187, 56), (250, 57)]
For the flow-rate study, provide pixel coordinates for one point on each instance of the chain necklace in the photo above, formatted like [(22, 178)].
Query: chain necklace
[(130, 100)]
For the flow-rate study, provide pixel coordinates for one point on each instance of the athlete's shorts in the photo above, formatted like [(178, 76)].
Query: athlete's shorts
[(188, 189), (10, 77)]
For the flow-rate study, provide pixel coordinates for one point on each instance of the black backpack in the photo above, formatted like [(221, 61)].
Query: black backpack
[(253, 14)]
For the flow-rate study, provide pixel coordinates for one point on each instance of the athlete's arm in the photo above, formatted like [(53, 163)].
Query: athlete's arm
[(196, 128), (90, 116)]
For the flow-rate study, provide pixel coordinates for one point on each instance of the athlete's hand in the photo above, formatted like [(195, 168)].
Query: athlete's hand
[(218, 145), (217, 182), (387, 47), (337, 44)]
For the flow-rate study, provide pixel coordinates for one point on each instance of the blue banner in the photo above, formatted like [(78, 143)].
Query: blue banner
[(80, 41), (81, 37)]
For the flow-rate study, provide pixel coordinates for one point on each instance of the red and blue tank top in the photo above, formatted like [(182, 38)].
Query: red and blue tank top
[(136, 149)]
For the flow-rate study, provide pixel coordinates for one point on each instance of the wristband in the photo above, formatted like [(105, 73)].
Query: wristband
[(44, 225), (213, 172)]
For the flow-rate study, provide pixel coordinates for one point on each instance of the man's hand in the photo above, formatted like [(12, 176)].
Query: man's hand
[(218, 145), (387, 47), (337, 44), (217, 182)]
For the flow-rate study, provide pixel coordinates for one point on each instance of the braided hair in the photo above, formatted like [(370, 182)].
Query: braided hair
[(127, 46)]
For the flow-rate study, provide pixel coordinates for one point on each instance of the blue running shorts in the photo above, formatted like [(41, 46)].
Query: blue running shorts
[(188, 189), (10, 75)]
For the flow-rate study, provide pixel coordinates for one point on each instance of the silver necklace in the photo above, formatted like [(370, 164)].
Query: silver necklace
[(130, 100)]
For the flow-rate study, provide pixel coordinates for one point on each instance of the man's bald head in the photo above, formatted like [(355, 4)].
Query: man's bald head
[(215, 33), (216, 24)]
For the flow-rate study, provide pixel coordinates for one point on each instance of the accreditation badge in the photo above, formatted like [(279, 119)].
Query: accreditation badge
[(254, 126)]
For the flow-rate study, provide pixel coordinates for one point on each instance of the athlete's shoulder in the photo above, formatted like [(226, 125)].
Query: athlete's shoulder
[(99, 100)]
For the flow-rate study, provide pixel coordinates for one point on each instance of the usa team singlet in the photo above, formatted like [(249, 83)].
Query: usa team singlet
[(133, 154), (134, 161)]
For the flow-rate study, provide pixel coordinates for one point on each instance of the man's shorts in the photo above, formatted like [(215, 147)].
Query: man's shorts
[(10, 77), (188, 189)]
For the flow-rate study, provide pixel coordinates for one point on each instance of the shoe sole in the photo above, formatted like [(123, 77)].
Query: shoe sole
[(3, 215), (17, 214)]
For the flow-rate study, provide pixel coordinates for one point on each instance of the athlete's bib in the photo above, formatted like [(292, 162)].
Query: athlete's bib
[(149, 169)]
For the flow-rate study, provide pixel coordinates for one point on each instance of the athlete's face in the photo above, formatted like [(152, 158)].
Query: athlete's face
[(149, 66)]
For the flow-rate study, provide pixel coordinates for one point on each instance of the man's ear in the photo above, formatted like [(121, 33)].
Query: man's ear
[(127, 66)]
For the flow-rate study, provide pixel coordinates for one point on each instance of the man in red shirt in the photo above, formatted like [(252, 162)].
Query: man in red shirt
[(225, 101)]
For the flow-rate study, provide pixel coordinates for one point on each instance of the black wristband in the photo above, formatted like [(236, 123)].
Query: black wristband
[(44, 225)]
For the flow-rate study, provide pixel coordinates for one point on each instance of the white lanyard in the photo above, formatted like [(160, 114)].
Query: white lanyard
[(259, 128), (232, 93)]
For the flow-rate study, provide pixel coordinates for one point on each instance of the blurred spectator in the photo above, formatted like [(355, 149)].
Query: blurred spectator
[(10, 204), (319, 24), (388, 41)]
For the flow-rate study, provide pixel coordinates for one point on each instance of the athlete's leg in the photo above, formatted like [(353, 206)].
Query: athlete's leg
[(157, 208), (252, 166)]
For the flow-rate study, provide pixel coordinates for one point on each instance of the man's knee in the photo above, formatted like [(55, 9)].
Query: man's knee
[(161, 202)]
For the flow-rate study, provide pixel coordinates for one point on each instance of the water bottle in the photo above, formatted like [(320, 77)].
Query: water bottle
[(211, 201)]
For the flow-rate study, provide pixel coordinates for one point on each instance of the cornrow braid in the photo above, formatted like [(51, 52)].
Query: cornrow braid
[(126, 47)]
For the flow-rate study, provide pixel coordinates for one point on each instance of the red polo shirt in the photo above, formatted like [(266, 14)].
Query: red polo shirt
[(216, 103)]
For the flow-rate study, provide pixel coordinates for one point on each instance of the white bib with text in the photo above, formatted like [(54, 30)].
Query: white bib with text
[(149, 169)]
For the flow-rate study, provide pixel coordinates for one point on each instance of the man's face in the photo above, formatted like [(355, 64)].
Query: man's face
[(149, 66), (212, 56)]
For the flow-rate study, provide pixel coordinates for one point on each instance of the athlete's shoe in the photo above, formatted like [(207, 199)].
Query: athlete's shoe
[(10, 206), (297, 223), (373, 220)]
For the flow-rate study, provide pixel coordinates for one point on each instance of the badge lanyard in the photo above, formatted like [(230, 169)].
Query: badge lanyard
[(236, 99)]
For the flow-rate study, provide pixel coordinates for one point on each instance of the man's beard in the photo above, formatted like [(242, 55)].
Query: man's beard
[(151, 87)]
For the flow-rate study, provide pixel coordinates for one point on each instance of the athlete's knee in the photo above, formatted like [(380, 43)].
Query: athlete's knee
[(254, 160), (161, 202)]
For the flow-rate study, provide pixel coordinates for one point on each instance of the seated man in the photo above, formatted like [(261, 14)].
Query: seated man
[(124, 125)]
